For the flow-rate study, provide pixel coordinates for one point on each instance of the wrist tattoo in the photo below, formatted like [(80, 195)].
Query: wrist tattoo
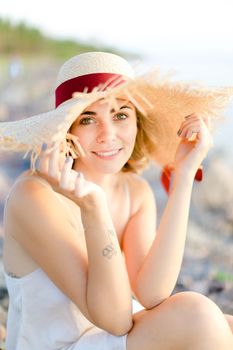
[(109, 251), (110, 248)]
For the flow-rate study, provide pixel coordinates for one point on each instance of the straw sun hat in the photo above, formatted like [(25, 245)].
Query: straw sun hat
[(90, 76)]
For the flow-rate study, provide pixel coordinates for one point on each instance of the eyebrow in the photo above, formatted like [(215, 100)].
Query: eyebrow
[(111, 111)]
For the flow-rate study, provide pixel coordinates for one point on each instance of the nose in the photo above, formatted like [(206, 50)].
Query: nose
[(106, 133)]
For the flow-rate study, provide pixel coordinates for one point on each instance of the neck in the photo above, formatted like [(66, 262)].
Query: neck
[(106, 181)]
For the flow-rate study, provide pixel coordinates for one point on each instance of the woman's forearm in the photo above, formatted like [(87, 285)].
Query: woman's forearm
[(157, 276), (108, 289)]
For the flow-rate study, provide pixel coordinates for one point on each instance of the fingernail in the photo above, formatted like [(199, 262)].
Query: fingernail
[(189, 115), (68, 159), (78, 176), (44, 147)]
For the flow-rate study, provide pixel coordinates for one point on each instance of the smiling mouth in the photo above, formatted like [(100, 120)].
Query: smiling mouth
[(107, 154)]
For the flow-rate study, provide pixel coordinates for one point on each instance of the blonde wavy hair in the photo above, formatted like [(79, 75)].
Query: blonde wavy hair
[(145, 144)]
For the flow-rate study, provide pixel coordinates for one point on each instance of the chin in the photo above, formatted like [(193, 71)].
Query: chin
[(109, 169)]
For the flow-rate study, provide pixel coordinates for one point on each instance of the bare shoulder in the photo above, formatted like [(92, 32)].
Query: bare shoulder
[(25, 181), (32, 201), (25, 190), (30, 185)]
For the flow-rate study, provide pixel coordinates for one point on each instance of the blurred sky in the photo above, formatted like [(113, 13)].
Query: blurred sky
[(194, 38), (147, 26)]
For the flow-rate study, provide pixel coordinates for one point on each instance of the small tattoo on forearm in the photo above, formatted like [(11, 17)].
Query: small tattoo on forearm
[(109, 251), (111, 233)]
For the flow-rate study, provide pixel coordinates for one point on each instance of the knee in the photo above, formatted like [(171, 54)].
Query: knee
[(196, 308), (201, 320)]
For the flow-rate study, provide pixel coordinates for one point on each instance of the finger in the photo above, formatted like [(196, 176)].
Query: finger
[(53, 165), (194, 131), (84, 187), (189, 116), (43, 160), (193, 117), (205, 120), (197, 132), (187, 123), (190, 120), (73, 175), (191, 135), (193, 127), (79, 185), (62, 159), (65, 178)]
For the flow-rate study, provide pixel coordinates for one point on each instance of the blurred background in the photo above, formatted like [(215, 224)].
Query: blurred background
[(192, 39)]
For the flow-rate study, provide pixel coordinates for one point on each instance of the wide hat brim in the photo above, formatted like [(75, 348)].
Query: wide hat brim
[(162, 102)]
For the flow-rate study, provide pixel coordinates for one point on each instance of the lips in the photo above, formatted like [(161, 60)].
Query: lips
[(107, 154)]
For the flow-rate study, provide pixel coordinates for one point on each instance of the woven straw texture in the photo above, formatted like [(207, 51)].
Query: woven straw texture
[(164, 103), (100, 62)]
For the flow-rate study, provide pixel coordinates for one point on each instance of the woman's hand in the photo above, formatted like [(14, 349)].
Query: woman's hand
[(195, 143), (56, 168)]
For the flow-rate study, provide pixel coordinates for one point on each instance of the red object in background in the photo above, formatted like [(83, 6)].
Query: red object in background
[(167, 173), (166, 177), (199, 174)]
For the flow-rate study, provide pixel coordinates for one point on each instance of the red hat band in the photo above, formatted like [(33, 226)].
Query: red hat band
[(86, 83)]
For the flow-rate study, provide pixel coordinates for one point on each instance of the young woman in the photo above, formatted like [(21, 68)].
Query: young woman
[(80, 230)]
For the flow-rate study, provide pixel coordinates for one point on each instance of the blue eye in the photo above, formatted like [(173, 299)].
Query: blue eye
[(86, 121)]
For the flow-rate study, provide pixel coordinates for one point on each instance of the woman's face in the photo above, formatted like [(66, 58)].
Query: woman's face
[(106, 135)]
